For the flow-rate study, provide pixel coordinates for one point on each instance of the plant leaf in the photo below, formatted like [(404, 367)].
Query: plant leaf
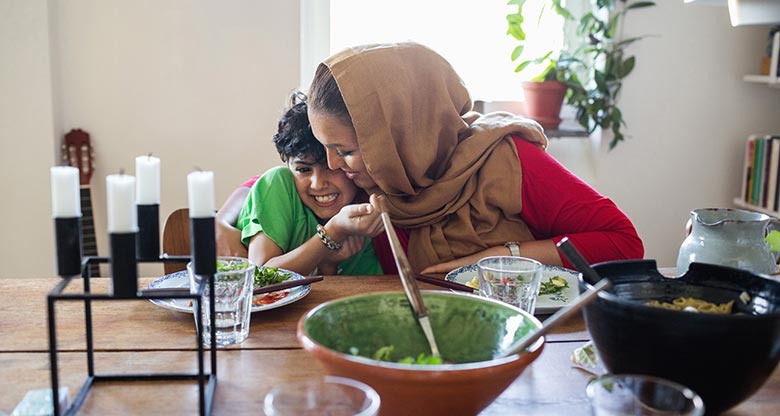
[(517, 52), (623, 43), (640, 4), (626, 67), (562, 11), (516, 32), (773, 238), (612, 26), (522, 66)]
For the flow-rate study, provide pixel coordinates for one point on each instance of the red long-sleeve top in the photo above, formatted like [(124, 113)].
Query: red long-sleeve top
[(557, 204)]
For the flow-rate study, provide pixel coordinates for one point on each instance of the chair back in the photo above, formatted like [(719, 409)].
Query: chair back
[(176, 238)]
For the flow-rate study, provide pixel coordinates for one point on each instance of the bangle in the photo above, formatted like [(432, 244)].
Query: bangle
[(514, 248), (325, 238)]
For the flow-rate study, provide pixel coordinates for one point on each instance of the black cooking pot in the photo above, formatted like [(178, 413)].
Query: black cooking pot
[(724, 358)]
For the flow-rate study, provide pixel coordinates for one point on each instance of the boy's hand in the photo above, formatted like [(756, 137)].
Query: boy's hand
[(349, 247), (229, 240)]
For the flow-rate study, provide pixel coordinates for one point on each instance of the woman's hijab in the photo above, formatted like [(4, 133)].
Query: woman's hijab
[(451, 176)]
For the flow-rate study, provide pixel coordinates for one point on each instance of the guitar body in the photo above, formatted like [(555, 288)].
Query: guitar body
[(77, 152)]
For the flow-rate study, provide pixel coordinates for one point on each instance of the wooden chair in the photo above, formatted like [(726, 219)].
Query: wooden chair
[(176, 238)]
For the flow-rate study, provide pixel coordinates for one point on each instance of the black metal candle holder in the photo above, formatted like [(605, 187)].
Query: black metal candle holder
[(148, 242), (124, 275)]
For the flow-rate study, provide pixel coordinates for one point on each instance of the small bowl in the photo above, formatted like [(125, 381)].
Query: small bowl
[(470, 331), (630, 394), (328, 396), (724, 358)]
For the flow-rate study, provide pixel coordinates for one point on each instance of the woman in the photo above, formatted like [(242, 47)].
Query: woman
[(293, 215), (396, 119)]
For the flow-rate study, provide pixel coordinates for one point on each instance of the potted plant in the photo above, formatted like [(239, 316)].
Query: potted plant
[(601, 62), (545, 92)]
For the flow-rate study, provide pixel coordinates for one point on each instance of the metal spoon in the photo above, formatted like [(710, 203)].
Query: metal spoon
[(563, 314), (410, 284)]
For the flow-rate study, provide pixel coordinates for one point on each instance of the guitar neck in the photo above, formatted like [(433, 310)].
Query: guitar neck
[(88, 228)]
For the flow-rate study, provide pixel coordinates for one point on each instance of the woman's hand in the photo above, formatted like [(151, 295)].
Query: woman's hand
[(355, 220), (446, 267)]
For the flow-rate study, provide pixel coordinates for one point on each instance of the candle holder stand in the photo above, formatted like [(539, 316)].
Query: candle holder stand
[(207, 381)]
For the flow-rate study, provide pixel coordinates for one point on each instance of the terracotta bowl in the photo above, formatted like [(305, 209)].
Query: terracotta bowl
[(470, 331), (723, 358)]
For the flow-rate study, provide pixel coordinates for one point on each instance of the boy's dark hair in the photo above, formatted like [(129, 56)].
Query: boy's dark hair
[(294, 137)]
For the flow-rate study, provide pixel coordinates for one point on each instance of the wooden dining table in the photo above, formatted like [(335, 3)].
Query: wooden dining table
[(132, 336)]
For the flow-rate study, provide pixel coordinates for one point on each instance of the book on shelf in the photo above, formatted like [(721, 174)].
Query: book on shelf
[(774, 203), (763, 201), (747, 175), (772, 171), (761, 172), (758, 172)]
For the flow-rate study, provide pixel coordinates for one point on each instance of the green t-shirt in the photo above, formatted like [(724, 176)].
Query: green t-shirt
[(274, 207)]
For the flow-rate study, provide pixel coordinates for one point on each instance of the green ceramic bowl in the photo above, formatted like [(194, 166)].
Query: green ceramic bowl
[(470, 331)]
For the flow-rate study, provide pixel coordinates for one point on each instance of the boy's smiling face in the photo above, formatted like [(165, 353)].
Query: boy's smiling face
[(323, 190)]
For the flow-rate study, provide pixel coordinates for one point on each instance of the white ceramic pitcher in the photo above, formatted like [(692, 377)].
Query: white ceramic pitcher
[(728, 237)]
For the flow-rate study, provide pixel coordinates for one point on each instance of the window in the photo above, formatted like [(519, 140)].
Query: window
[(470, 34)]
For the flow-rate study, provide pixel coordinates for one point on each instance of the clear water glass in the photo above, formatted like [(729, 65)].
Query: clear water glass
[(334, 396), (510, 279), (628, 394), (233, 285)]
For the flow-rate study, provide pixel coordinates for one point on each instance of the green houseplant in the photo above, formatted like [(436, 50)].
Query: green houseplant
[(594, 71), (545, 92)]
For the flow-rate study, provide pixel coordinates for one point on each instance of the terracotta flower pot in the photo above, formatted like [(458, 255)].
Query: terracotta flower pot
[(543, 102)]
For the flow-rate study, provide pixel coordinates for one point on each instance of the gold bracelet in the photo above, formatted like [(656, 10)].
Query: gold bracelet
[(325, 238)]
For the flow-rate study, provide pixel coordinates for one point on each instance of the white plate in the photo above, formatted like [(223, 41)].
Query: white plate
[(544, 303), (182, 279)]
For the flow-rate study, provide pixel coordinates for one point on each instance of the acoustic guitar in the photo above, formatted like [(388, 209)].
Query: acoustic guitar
[(77, 152)]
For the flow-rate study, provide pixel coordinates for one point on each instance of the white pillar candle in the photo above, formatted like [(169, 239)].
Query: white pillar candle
[(120, 193), (147, 172), (200, 192), (65, 196)]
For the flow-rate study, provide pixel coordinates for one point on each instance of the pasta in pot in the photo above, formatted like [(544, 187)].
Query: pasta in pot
[(694, 304)]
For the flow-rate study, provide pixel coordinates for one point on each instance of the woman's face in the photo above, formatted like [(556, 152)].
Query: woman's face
[(323, 190), (341, 147)]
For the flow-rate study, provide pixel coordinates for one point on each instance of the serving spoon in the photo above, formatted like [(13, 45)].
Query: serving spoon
[(574, 256), (410, 284)]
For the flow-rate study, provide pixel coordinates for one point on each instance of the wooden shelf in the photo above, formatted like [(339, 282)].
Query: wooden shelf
[(742, 204), (566, 133), (772, 79), (762, 79), (567, 129)]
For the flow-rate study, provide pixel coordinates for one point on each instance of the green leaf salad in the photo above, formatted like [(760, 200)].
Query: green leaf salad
[(553, 285), (265, 276), (386, 354)]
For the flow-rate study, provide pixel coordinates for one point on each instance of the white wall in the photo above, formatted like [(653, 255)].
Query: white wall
[(202, 84), (26, 140), (689, 113), (196, 83)]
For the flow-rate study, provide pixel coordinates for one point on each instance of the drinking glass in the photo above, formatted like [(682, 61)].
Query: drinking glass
[(233, 285), (335, 396), (510, 279), (628, 394)]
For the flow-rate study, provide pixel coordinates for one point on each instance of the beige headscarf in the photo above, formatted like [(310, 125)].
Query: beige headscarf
[(451, 176)]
